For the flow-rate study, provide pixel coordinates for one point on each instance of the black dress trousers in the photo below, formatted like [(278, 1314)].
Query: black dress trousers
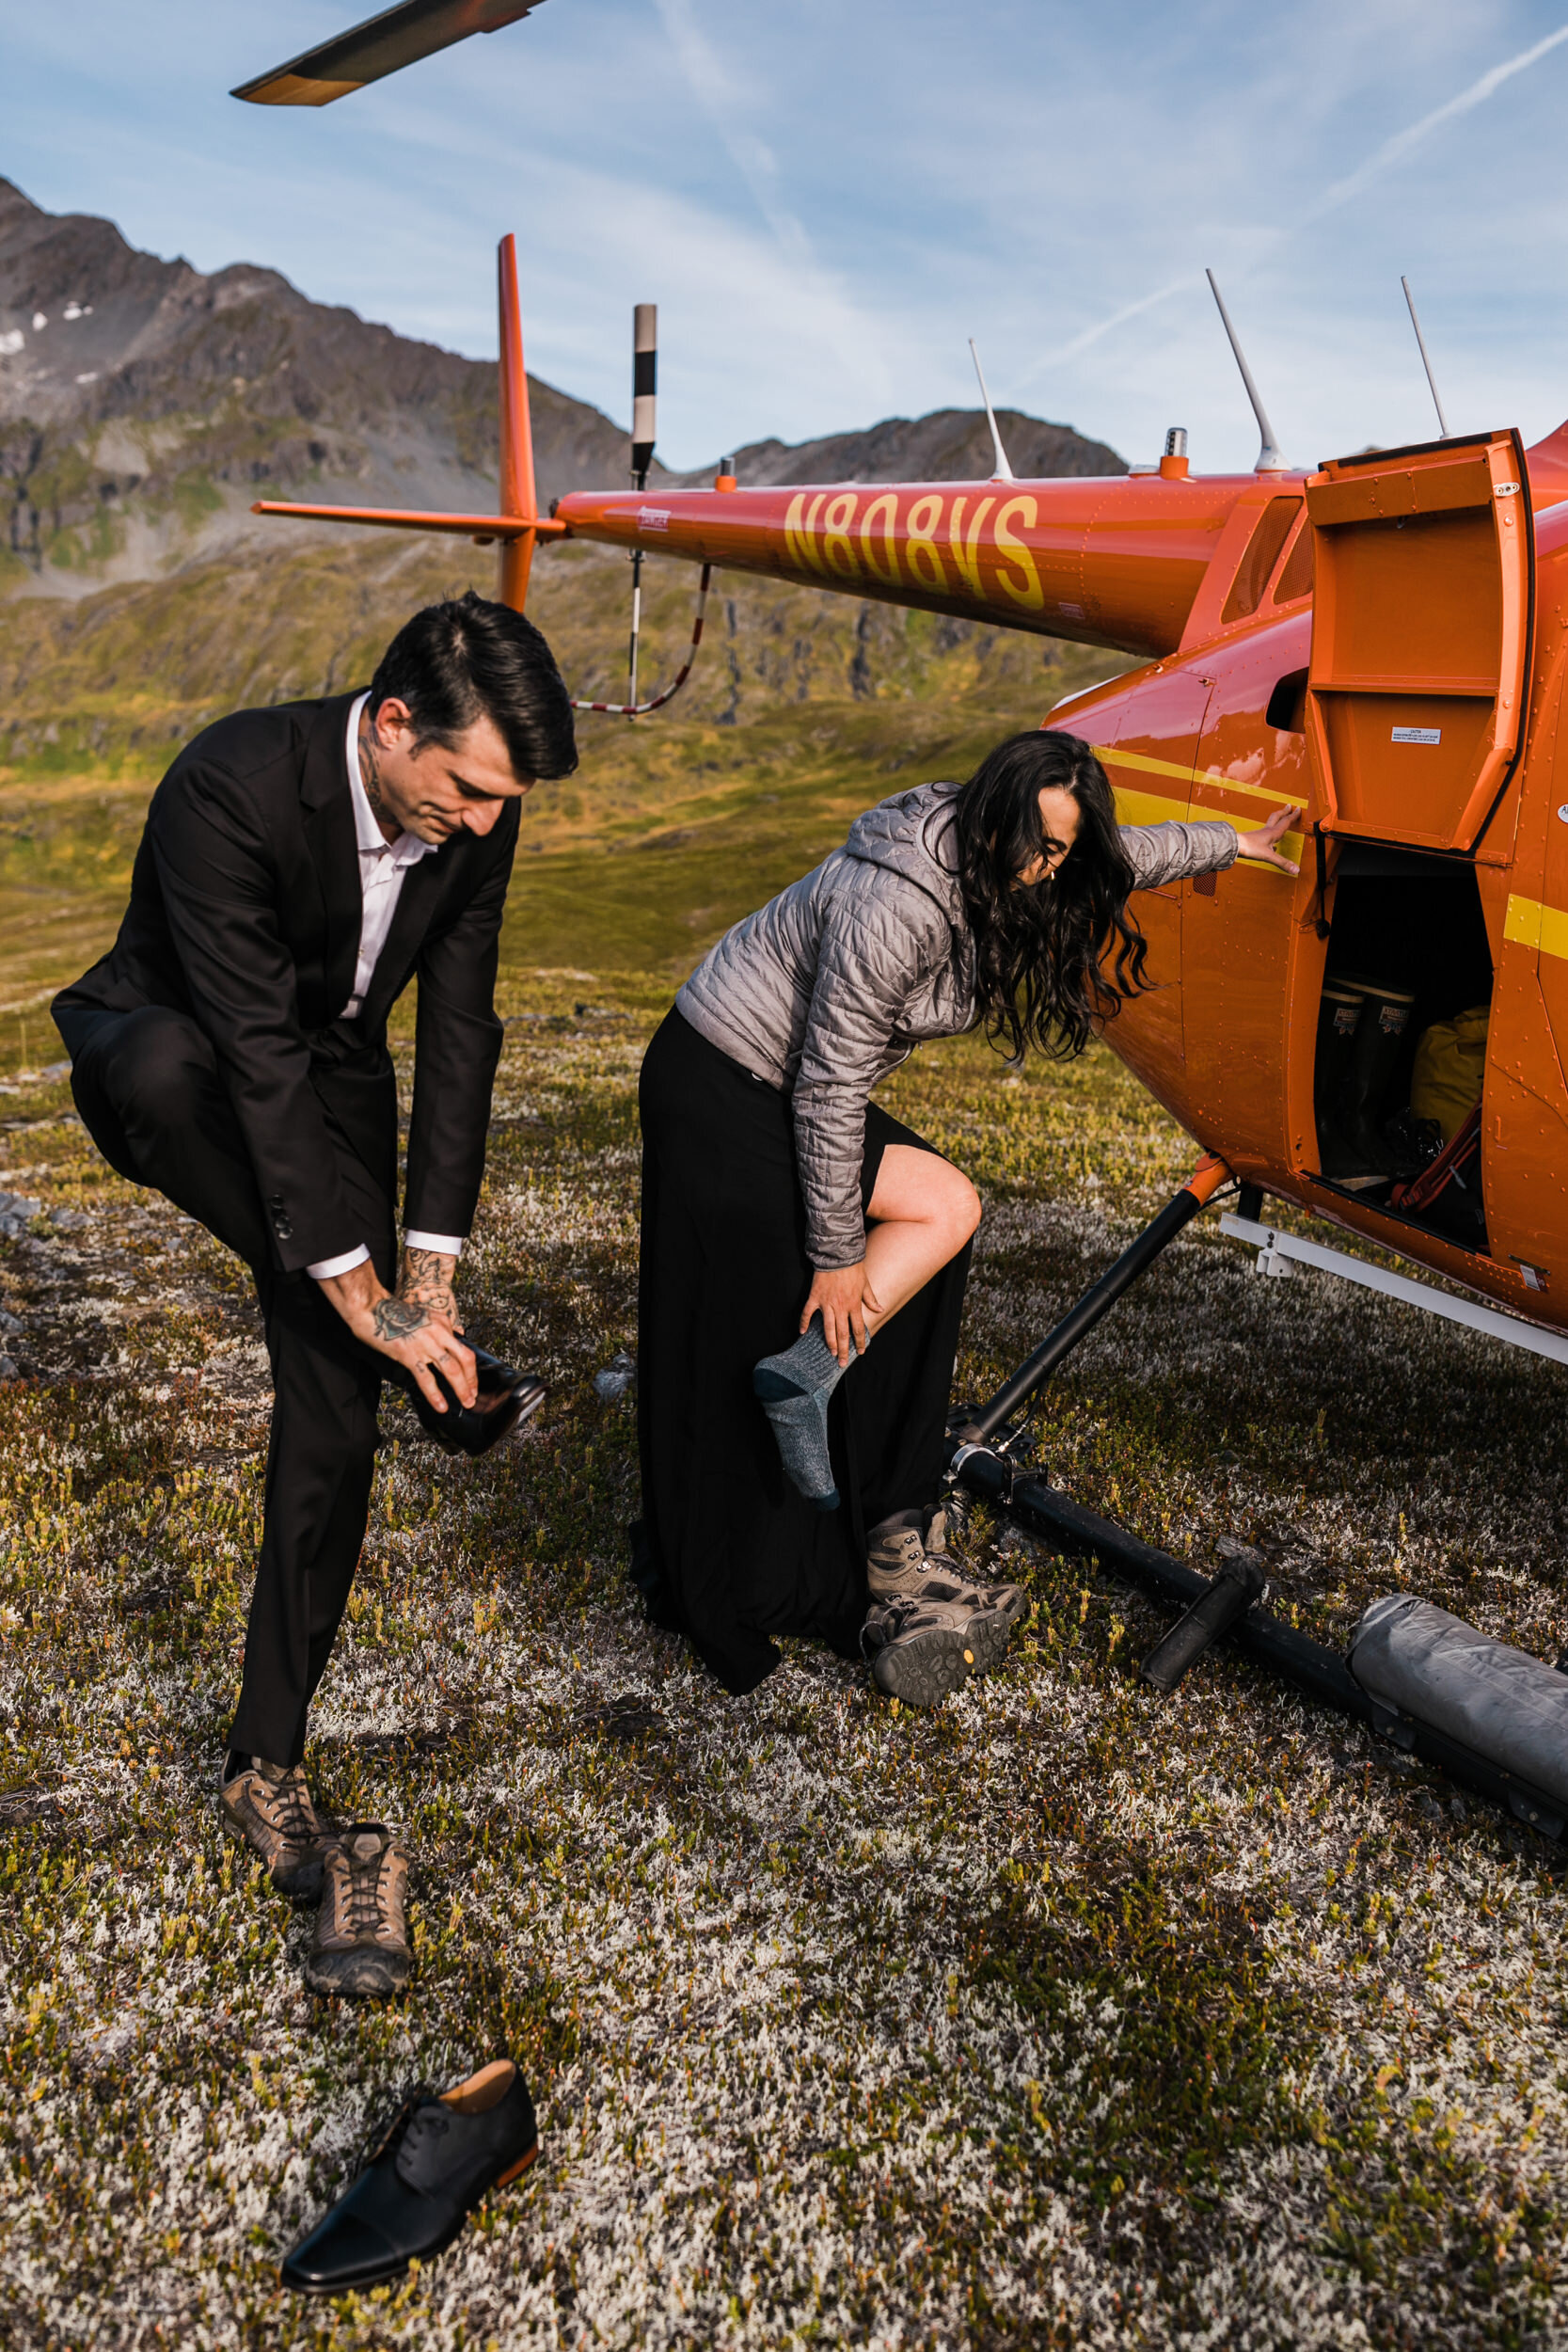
[(149, 1088), (727, 1551)]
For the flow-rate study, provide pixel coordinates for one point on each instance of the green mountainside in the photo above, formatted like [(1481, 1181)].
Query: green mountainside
[(802, 708)]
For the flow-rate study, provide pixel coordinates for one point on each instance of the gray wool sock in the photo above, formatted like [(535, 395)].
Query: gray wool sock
[(794, 1388)]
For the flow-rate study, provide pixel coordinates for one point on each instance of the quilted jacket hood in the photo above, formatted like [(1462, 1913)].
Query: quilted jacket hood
[(914, 835)]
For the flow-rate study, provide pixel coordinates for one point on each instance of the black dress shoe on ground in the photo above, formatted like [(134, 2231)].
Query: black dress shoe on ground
[(421, 2184), (506, 1398)]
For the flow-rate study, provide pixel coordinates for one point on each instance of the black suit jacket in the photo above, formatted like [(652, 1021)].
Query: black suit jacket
[(245, 913)]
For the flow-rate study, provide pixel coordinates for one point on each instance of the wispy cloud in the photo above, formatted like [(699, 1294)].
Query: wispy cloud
[(1092, 334), (1405, 143), (714, 88), (1383, 158)]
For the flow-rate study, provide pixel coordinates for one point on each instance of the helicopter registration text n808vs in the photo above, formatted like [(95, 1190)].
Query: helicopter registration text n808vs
[(1379, 643)]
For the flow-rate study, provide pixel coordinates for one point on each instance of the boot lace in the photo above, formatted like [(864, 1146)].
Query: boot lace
[(363, 1905), (293, 1814)]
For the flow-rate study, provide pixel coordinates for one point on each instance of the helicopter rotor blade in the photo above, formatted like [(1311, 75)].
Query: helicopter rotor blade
[(381, 45)]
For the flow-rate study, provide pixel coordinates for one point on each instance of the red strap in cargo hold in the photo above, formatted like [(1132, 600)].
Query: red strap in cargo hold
[(1422, 1190)]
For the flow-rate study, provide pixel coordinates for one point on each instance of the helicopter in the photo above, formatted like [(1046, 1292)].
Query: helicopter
[(1378, 643)]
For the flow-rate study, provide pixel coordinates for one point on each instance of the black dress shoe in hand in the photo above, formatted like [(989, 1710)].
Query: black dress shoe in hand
[(424, 2180), (506, 1398)]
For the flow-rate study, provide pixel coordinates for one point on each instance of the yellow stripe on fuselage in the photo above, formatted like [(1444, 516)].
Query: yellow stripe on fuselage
[(1529, 923), (1147, 808), (1108, 753), (1151, 808)]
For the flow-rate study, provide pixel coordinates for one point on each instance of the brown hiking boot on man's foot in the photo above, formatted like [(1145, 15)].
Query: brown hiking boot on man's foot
[(268, 1808), (900, 1567), (361, 1946)]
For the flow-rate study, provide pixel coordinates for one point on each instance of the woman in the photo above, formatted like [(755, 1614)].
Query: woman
[(804, 1256)]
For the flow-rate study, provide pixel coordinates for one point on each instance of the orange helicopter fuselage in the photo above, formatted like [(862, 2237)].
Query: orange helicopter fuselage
[(1212, 580)]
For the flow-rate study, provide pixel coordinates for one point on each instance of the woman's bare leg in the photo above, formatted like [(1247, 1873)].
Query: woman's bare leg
[(922, 1212)]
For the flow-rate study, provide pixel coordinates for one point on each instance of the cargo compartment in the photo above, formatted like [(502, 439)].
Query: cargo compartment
[(1401, 1039)]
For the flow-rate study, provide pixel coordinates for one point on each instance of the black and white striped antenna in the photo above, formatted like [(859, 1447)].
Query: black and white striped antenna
[(644, 385), (1421, 346)]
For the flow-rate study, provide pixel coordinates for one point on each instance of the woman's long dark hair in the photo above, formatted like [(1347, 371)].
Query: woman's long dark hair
[(1040, 949)]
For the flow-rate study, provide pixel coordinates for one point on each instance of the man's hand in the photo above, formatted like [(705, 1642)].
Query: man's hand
[(844, 1298), (1262, 844), (405, 1325)]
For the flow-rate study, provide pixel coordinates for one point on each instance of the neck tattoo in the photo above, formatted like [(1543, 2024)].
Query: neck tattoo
[(369, 776)]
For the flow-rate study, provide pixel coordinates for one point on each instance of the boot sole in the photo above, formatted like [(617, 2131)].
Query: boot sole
[(921, 1669), (360, 1976), (988, 1634)]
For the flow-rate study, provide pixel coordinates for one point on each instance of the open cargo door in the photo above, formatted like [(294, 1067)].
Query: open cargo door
[(1421, 624)]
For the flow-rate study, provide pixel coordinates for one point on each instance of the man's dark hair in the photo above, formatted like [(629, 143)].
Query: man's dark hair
[(467, 660)]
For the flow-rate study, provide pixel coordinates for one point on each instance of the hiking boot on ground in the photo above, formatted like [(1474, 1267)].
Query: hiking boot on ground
[(268, 1808), (901, 1565), (918, 1650), (361, 1947), (1010, 1598)]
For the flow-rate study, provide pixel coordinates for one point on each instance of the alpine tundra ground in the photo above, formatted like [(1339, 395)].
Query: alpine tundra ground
[(1063, 2015)]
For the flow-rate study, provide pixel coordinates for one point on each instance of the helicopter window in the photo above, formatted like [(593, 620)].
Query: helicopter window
[(1263, 553), (1297, 578), (1287, 708)]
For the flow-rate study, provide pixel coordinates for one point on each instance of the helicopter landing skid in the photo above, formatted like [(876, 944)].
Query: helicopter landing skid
[(1227, 1606), (1320, 1674)]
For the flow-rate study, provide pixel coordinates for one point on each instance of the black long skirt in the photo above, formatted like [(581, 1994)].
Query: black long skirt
[(727, 1552)]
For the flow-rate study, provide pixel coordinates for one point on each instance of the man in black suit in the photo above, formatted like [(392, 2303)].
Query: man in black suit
[(299, 867)]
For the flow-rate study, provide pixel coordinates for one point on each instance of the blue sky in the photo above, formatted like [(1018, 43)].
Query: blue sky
[(827, 196)]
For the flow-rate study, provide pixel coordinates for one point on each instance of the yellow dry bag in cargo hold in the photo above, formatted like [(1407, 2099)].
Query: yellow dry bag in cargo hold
[(1451, 1062)]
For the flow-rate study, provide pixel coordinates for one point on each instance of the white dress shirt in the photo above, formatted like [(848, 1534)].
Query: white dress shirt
[(383, 866)]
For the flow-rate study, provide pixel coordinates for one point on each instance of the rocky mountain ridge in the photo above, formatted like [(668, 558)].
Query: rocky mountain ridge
[(144, 405)]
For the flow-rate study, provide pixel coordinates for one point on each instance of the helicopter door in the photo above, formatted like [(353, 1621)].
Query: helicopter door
[(1421, 618), (1149, 748)]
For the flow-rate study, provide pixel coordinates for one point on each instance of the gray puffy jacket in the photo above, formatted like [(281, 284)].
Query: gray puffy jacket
[(835, 982)]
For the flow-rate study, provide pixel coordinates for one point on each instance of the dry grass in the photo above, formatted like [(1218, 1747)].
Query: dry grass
[(1060, 2016)]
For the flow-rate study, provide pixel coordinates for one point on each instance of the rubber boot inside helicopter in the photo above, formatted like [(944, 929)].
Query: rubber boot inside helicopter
[(1401, 1041)]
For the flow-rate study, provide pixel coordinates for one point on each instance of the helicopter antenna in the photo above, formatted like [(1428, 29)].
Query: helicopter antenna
[(1422, 345), (1003, 472), (1269, 459)]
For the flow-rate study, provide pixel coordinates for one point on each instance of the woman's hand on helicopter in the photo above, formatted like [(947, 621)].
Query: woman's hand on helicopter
[(1261, 845)]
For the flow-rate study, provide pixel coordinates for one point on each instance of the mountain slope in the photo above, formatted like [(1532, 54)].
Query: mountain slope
[(143, 406), (949, 445)]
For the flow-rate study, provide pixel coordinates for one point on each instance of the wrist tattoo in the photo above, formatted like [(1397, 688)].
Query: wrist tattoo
[(424, 1277), (398, 1318), (422, 1269)]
